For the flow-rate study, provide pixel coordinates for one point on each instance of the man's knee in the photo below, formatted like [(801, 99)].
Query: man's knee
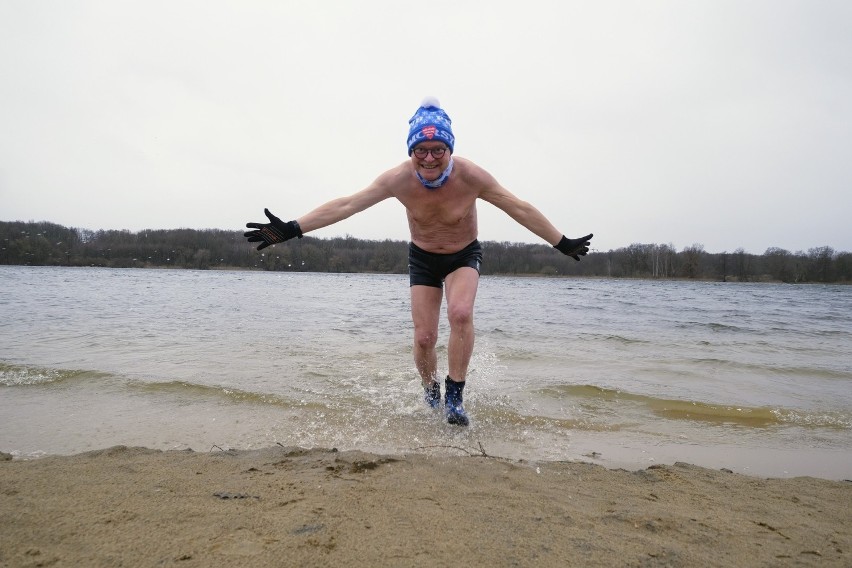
[(460, 315), (425, 339)]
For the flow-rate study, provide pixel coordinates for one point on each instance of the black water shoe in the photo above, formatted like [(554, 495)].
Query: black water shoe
[(453, 401), (432, 395)]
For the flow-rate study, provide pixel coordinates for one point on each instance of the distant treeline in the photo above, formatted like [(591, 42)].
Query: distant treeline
[(48, 244)]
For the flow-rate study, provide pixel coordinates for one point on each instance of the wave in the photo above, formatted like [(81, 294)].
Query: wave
[(715, 327), (29, 375), (721, 414), (614, 338), (505, 415), (12, 375), (701, 365), (178, 389)]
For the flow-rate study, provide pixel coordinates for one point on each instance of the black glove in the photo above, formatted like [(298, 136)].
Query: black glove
[(276, 231), (574, 247)]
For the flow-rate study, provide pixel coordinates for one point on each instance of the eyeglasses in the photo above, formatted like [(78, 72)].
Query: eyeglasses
[(437, 153)]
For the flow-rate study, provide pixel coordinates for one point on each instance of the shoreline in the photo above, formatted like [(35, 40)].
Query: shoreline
[(291, 506), (728, 279)]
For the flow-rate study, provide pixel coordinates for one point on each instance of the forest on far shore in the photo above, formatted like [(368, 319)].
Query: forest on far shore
[(49, 244)]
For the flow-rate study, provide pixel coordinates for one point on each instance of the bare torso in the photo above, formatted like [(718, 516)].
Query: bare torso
[(441, 220)]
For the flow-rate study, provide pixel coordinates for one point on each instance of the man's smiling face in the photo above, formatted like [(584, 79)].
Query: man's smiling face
[(424, 160)]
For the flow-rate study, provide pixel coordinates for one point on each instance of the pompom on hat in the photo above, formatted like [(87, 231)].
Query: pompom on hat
[(430, 122)]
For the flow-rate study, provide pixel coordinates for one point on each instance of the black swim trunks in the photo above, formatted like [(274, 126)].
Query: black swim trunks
[(430, 268)]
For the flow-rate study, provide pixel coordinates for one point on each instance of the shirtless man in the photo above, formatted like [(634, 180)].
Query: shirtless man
[(439, 192)]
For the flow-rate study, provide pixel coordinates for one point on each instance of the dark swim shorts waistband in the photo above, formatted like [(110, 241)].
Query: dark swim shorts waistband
[(431, 268)]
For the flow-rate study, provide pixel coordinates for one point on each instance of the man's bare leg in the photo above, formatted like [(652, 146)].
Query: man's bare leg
[(425, 312), (461, 287), (461, 293)]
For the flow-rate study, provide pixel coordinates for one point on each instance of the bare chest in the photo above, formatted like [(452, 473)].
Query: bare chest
[(446, 205)]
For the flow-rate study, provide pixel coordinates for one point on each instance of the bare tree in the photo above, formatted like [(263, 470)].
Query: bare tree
[(692, 260)]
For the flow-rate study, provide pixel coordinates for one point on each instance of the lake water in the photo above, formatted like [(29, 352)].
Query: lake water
[(755, 378)]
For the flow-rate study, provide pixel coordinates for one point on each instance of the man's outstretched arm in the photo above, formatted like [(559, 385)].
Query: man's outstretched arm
[(530, 217), (278, 231), (343, 207)]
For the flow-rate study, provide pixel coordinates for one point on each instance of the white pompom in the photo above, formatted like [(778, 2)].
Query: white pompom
[(431, 101)]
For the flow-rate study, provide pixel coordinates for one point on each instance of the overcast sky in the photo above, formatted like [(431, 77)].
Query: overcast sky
[(721, 123)]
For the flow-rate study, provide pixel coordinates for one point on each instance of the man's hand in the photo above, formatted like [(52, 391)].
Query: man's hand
[(276, 231), (575, 248)]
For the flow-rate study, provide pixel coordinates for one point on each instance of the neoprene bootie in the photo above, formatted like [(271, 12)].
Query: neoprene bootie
[(453, 403), (432, 394)]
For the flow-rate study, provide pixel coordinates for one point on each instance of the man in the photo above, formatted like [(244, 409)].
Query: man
[(439, 192)]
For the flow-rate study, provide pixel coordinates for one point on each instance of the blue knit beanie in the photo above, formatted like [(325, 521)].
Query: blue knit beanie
[(430, 122)]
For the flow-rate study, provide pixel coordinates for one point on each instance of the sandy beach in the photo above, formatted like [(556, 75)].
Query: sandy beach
[(294, 507)]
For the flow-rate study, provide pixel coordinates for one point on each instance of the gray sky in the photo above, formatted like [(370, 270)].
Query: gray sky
[(722, 123)]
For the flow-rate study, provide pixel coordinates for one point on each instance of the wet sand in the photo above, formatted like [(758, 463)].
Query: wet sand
[(294, 507)]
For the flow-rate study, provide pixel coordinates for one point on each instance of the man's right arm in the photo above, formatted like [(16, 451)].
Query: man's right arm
[(342, 208), (277, 231)]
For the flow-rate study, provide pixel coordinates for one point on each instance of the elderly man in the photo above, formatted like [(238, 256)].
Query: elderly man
[(439, 192)]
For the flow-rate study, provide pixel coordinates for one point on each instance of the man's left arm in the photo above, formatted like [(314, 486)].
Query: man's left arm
[(530, 217)]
